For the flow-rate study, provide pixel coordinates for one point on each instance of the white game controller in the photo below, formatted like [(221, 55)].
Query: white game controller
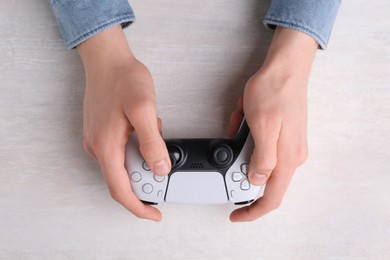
[(204, 171)]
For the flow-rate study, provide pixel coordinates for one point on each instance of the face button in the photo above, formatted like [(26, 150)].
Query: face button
[(145, 166), (159, 178), (136, 176), (237, 176), (245, 168), (245, 185), (147, 188)]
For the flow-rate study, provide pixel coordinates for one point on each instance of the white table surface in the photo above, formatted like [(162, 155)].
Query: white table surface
[(54, 203)]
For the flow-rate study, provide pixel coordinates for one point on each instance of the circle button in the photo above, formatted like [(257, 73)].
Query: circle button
[(147, 188), (159, 178), (136, 176)]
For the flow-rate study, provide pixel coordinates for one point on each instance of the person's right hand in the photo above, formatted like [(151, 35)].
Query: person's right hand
[(119, 99)]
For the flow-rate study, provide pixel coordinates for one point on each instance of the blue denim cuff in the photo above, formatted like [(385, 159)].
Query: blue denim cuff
[(313, 17), (79, 20)]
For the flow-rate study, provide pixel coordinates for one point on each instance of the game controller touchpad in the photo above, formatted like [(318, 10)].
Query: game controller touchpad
[(196, 188)]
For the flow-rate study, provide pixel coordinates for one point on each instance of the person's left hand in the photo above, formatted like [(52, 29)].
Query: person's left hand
[(275, 108)]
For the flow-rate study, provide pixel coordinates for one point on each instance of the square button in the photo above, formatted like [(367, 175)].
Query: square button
[(237, 176)]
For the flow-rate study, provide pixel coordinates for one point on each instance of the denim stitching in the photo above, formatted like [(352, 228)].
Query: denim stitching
[(298, 26), (83, 36)]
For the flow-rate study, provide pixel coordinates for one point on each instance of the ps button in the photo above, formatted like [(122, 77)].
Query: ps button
[(145, 166), (147, 188), (160, 193), (237, 176), (245, 168), (136, 176), (245, 185), (159, 178)]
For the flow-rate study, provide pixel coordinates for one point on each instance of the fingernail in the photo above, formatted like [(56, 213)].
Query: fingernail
[(161, 168), (259, 178)]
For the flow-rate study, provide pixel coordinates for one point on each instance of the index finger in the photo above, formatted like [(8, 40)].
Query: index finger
[(274, 192), (117, 179)]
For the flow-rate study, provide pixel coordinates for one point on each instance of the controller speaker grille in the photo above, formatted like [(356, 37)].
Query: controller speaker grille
[(196, 166)]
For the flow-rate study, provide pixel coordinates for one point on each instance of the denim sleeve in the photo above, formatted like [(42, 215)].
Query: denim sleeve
[(313, 17), (79, 20)]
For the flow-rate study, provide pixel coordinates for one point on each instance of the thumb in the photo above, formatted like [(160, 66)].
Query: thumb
[(152, 145), (264, 156)]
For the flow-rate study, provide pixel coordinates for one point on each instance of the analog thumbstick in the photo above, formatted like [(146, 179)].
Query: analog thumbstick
[(176, 155), (222, 155)]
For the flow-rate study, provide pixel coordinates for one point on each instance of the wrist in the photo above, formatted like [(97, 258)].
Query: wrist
[(290, 55), (105, 52)]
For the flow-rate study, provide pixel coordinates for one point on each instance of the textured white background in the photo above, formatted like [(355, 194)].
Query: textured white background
[(54, 203)]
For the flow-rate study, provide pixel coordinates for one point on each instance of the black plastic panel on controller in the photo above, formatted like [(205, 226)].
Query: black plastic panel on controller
[(206, 154)]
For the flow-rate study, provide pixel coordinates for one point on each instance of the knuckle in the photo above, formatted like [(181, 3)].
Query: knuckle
[(265, 164), (153, 149), (301, 155), (268, 164), (147, 102), (94, 145), (302, 158), (143, 106), (87, 147), (294, 156), (267, 121), (117, 195)]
